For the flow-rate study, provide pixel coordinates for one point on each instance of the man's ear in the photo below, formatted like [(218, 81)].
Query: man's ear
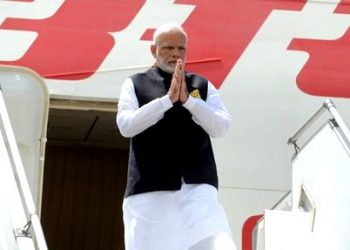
[(154, 50)]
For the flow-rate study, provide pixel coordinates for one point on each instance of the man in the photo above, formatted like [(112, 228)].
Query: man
[(171, 195)]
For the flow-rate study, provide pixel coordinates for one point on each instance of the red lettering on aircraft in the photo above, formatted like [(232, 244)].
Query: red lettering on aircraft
[(326, 73), (73, 43), (220, 32), (343, 7)]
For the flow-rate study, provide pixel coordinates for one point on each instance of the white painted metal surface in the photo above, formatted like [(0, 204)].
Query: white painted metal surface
[(20, 226), (26, 99), (319, 218)]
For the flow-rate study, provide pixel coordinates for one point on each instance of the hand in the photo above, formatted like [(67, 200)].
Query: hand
[(183, 96), (176, 82)]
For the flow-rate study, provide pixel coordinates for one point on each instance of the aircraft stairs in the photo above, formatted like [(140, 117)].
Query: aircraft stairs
[(20, 226), (314, 215)]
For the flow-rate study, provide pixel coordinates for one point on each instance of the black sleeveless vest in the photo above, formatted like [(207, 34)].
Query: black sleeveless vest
[(175, 147)]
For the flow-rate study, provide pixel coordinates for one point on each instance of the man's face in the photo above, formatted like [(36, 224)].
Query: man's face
[(170, 47)]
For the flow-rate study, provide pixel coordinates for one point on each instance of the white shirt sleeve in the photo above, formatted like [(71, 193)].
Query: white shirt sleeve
[(211, 114), (132, 119)]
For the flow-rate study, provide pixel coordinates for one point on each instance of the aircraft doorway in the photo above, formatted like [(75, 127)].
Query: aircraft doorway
[(84, 181)]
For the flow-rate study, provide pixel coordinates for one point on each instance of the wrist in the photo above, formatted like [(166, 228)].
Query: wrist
[(172, 98)]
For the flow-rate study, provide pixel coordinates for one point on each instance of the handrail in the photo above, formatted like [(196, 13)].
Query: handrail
[(327, 105), (309, 122), (21, 180), (251, 225), (248, 232), (249, 242)]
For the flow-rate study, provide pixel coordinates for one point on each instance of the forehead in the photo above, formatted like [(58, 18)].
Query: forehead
[(171, 37)]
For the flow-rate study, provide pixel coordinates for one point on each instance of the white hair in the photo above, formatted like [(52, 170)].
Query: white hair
[(167, 27)]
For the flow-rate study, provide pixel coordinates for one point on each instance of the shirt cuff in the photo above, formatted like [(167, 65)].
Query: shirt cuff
[(190, 102), (166, 102)]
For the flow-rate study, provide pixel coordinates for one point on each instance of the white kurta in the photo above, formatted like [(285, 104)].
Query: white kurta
[(211, 114), (172, 220)]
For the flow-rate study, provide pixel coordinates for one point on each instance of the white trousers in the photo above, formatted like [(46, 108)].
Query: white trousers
[(176, 220), (219, 241)]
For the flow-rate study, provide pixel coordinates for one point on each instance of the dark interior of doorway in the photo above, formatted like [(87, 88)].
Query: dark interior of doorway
[(84, 181)]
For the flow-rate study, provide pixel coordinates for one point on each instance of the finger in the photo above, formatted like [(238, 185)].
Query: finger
[(179, 64), (177, 75)]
